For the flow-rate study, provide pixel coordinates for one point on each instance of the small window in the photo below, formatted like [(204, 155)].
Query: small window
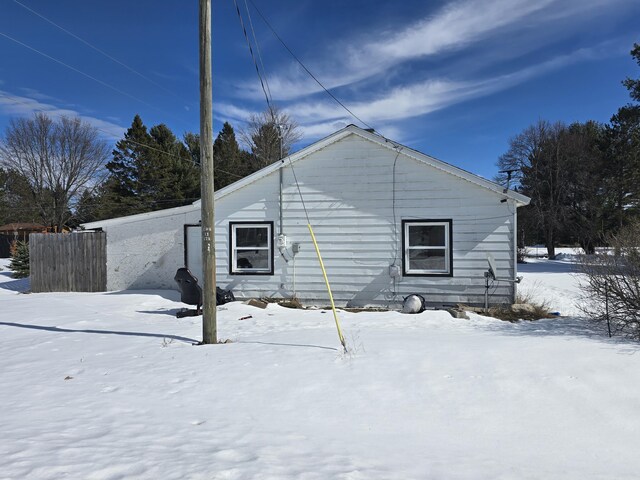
[(251, 247), (427, 247)]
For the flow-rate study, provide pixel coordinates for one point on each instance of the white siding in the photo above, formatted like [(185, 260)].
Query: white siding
[(145, 253), (348, 192)]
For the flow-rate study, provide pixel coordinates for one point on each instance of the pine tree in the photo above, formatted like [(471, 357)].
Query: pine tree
[(633, 85), (169, 176), (229, 162), (20, 260), (121, 193), (150, 170)]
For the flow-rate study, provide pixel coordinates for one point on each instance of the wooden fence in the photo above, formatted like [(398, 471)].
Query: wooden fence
[(75, 262)]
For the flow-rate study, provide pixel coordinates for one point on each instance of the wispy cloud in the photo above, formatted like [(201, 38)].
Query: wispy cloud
[(425, 97), (453, 28), (19, 105)]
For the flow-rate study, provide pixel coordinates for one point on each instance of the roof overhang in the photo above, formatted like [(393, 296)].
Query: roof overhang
[(499, 190)]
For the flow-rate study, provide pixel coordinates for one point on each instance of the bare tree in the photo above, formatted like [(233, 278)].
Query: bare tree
[(270, 136), (542, 170), (611, 289), (58, 159)]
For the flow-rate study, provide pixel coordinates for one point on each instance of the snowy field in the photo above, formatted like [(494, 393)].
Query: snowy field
[(109, 386)]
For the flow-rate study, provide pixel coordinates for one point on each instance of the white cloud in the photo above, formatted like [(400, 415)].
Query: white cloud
[(314, 131), (452, 28), (226, 111), (422, 98), (24, 106)]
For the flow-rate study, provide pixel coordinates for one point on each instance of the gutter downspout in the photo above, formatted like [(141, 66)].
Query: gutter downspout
[(281, 228), (281, 242), (515, 251)]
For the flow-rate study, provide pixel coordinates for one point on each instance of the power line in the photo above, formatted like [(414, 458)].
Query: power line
[(306, 69), (102, 52), (244, 30), (112, 135), (255, 40), (60, 62)]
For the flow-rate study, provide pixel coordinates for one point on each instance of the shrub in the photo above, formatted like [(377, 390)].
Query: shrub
[(20, 260), (611, 285)]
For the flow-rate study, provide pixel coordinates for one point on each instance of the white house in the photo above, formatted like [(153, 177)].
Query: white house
[(390, 221)]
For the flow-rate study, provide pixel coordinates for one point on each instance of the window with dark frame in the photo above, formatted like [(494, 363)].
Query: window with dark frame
[(427, 247), (251, 248)]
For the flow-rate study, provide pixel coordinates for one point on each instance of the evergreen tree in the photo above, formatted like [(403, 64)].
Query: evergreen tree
[(229, 162), (20, 260), (168, 178), (16, 202), (192, 142), (623, 156), (582, 145), (121, 191), (622, 168), (150, 170), (633, 85), (87, 209)]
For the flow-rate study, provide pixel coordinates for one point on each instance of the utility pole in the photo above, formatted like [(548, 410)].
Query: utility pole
[(207, 207)]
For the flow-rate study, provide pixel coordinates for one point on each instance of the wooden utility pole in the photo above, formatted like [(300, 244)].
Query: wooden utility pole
[(207, 208)]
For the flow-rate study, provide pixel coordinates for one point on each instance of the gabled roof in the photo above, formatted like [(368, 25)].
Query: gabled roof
[(519, 199)]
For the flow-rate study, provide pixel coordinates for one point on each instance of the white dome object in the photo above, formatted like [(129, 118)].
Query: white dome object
[(413, 304)]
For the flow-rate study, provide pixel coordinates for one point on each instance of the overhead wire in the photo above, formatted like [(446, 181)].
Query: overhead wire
[(112, 135), (100, 51), (91, 77), (313, 238), (253, 57), (295, 57), (255, 41)]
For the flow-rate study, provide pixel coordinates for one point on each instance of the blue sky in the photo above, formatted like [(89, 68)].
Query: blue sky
[(453, 79)]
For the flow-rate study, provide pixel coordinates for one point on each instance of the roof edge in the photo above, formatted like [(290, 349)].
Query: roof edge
[(521, 200)]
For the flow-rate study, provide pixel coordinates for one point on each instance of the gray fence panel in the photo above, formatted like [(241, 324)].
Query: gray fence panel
[(74, 262)]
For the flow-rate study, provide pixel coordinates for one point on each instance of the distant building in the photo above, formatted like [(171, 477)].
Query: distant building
[(12, 232)]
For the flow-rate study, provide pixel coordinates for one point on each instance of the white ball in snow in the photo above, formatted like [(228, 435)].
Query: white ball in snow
[(412, 304)]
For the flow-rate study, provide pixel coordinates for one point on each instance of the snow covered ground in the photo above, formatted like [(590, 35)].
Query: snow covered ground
[(109, 386)]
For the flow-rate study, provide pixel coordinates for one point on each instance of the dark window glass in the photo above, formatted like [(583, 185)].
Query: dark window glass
[(427, 259), (426, 236), (252, 237), (249, 259)]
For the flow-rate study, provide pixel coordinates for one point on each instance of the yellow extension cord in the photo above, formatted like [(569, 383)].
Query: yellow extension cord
[(326, 281)]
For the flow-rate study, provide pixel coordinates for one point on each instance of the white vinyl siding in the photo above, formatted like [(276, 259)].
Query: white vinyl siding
[(356, 213)]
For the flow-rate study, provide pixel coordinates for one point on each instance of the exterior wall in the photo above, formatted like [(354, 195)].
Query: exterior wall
[(144, 252), (349, 195)]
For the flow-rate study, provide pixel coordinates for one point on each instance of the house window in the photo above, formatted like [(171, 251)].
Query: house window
[(251, 247), (427, 247)]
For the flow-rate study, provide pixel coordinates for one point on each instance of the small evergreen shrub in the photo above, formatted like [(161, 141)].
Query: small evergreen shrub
[(20, 259)]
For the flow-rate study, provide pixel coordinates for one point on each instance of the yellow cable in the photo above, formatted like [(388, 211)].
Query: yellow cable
[(326, 280)]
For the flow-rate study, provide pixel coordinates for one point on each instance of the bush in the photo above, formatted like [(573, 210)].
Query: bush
[(611, 286), (522, 254), (20, 259)]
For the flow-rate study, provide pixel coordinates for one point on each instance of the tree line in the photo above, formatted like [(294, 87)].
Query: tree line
[(60, 173), (583, 178)]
